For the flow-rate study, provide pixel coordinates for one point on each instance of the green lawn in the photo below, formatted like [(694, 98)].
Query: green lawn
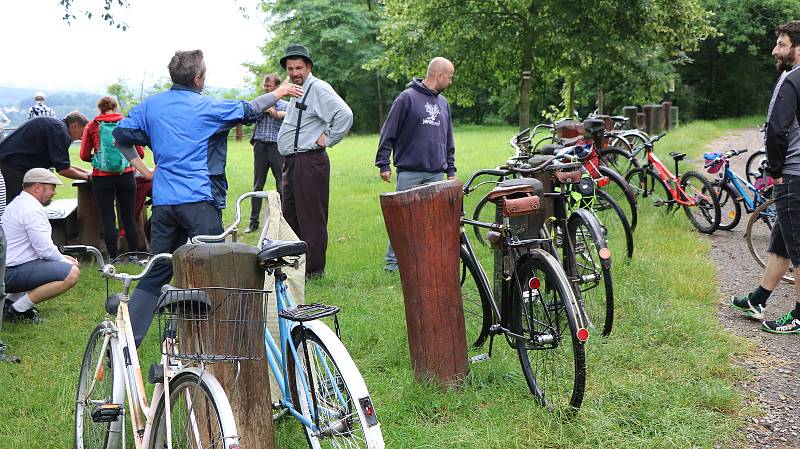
[(663, 379)]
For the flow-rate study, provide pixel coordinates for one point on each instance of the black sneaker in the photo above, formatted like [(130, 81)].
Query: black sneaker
[(252, 228), (786, 324), (742, 304), (31, 315)]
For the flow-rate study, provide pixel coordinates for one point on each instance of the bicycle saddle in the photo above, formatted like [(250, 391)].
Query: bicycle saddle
[(182, 301), (273, 252), (550, 149), (677, 156), (516, 185)]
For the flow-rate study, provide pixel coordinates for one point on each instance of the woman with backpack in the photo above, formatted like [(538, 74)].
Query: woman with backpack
[(112, 176)]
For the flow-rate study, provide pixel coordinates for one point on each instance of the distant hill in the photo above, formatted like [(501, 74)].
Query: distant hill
[(16, 101)]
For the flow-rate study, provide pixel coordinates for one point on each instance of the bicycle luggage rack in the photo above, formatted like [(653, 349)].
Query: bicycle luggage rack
[(308, 312)]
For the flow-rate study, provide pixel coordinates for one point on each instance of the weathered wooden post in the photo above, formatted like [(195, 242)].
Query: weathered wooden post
[(673, 117), (640, 121), (233, 265), (630, 112), (665, 110), (424, 225), (652, 118), (89, 224), (239, 132)]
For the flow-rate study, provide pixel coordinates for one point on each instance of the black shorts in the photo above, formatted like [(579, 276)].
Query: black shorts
[(785, 238)]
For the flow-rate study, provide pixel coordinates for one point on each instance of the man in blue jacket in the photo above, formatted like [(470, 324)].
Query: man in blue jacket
[(178, 125), (418, 133)]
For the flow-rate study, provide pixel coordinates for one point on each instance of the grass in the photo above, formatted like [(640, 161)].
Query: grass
[(663, 379)]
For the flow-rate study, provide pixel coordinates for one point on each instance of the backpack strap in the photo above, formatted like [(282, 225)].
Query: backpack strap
[(301, 105)]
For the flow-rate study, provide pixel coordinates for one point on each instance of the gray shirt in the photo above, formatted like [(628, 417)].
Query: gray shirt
[(325, 113)]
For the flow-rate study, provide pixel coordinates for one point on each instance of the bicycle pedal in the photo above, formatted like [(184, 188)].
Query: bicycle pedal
[(107, 413), (479, 358), (308, 312)]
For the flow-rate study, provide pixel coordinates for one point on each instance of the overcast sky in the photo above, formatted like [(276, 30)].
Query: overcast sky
[(39, 50)]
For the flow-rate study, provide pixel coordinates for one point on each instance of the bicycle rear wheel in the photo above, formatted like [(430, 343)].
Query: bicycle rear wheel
[(333, 395), (108, 392), (757, 235), (613, 222), (593, 270), (621, 191), (545, 315), (705, 213), (200, 414)]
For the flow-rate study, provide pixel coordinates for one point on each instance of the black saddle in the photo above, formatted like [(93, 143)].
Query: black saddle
[(677, 156), (274, 251), (550, 149)]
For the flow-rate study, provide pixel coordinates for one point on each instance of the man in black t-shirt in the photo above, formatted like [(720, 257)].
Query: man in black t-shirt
[(41, 142)]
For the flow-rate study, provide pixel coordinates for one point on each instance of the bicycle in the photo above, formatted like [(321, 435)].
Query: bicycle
[(691, 190), (538, 311), (321, 386), (198, 411), (733, 190)]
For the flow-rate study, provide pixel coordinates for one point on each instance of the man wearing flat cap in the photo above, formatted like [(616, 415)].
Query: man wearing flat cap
[(317, 120), (35, 270)]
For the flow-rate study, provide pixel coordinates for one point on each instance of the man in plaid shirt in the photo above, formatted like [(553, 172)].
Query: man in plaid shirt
[(265, 148)]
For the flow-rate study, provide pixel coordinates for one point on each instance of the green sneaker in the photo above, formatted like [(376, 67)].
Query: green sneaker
[(786, 324), (742, 304)]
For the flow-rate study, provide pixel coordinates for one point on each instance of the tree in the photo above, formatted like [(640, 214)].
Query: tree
[(341, 36), (503, 43)]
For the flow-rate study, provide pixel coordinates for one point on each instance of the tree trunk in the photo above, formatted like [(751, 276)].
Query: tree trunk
[(525, 88), (570, 103), (600, 100), (380, 101)]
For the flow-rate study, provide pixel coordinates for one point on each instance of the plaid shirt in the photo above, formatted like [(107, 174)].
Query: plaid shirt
[(267, 127)]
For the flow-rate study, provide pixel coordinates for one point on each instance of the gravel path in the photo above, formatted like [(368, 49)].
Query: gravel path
[(772, 390)]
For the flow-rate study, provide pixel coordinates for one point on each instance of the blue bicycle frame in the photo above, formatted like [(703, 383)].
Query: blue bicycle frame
[(742, 186)]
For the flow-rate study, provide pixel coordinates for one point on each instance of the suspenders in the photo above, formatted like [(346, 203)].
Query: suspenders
[(301, 105)]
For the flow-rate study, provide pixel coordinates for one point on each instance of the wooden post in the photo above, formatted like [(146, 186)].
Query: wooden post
[(239, 132), (665, 110), (673, 117), (640, 121), (630, 112), (233, 265), (423, 226), (89, 225)]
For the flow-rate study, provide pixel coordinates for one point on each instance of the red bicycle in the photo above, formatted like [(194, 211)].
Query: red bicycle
[(691, 190)]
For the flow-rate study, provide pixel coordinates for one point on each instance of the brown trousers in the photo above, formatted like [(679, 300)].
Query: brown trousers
[(306, 178)]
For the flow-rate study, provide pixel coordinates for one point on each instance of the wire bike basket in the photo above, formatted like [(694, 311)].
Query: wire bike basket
[(212, 324)]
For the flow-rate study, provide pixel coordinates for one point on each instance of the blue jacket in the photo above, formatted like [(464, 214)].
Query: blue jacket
[(419, 132), (177, 125)]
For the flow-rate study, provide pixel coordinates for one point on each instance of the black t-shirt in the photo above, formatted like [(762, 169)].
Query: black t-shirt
[(39, 142)]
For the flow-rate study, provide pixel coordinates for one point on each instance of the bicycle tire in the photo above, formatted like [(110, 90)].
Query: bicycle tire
[(705, 214), (475, 301), (551, 355), (753, 163), (110, 388), (619, 159), (646, 184), (621, 191), (594, 283), (200, 412), (757, 235), (612, 220), (338, 387), (730, 207)]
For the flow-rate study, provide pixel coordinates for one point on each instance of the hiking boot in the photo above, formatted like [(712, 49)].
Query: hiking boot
[(742, 304), (31, 315), (786, 324)]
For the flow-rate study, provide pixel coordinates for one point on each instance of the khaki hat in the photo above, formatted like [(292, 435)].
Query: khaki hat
[(41, 175)]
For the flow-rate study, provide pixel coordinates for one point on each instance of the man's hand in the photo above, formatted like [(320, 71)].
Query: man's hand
[(293, 90), (321, 140), (271, 111), (70, 259), (777, 180), (386, 176)]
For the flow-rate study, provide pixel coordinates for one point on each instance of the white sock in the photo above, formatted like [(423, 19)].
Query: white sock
[(23, 304), (11, 297)]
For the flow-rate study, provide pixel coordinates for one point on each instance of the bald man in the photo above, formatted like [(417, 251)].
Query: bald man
[(418, 133)]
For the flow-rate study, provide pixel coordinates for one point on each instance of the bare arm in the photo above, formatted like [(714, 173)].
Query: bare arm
[(74, 173)]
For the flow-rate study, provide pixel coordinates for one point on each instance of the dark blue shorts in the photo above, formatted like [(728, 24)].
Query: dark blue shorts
[(785, 238), (29, 275)]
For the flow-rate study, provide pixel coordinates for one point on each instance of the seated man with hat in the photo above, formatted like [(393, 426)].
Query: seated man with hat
[(35, 270)]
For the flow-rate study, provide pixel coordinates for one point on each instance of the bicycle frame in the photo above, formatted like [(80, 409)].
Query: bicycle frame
[(672, 182), (742, 186)]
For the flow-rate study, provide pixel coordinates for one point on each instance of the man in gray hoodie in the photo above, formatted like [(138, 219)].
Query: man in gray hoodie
[(418, 133)]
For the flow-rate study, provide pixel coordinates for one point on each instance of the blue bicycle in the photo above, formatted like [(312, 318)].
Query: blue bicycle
[(735, 191), (319, 383)]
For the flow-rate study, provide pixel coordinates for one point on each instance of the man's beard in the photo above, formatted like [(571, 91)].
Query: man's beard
[(47, 203), (784, 63)]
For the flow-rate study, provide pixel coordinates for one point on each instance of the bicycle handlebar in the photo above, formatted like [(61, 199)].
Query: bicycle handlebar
[(488, 171), (108, 270), (234, 227)]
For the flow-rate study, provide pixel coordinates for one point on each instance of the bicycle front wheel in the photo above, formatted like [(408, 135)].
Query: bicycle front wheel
[(729, 205), (646, 184), (328, 390), (200, 414), (705, 213), (613, 222), (551, 342), (759, 229), (754, 161), (593, 270), (100, 392), (618, 158), (621, 191), (475, 301)]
